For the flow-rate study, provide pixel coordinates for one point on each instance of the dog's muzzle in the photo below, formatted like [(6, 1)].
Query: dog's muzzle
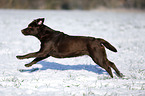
[(23, 31)]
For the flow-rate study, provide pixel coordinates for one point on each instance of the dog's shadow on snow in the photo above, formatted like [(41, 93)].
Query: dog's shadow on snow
[(57, 66)]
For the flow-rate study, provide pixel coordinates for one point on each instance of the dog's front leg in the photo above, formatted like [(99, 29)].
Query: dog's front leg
[(41, 53), (36, 60), (30, 55), (39, 56)]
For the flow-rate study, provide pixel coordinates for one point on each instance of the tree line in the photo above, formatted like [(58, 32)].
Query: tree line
[(71, 4)]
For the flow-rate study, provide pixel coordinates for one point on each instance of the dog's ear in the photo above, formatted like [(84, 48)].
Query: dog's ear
[(40, 21)]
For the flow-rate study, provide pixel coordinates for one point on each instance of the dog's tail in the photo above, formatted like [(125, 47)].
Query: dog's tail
[(107, 45)]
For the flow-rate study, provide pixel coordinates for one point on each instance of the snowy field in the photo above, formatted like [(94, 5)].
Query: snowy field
[(78, 76)]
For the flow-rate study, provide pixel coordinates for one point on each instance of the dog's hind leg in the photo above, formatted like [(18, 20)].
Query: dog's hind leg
[(36, 60), (103, 64), (108, 69), (115, 68), (99, 57)]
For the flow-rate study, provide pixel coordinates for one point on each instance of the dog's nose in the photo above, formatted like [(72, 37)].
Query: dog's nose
[(22, 30)]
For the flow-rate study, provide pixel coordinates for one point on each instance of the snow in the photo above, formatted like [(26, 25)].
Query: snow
[(78, 76)]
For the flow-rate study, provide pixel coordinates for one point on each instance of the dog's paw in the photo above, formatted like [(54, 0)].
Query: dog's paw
[(20, 57), (120, 75), (28, 65)]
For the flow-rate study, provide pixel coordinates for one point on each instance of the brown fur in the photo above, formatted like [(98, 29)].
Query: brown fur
[(60, 45)]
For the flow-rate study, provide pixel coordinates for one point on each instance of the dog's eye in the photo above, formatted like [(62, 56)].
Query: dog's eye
[(30, 27)]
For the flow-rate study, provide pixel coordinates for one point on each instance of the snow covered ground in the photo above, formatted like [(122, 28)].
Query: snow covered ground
[(78, 76)]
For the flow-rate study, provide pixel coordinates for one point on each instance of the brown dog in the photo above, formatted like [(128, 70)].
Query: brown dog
[(60, 45)]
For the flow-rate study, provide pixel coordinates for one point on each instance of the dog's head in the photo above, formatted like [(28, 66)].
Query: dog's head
[(34, 27)]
